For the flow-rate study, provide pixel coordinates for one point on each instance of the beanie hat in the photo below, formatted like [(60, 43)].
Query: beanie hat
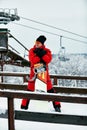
[(41, 39)]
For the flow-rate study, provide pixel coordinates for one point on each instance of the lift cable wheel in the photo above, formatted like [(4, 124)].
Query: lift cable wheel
[(8, 15)]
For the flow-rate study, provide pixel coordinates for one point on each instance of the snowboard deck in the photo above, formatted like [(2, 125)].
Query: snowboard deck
[(40, 86)]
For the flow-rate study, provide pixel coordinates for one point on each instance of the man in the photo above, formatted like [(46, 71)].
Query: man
[(40, 54)]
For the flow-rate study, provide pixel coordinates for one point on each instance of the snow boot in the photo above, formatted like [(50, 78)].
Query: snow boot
[(58, 109), (56, 104), (24, 104)]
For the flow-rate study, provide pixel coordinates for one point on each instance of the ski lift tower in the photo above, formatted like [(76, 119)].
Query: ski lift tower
[(6, 16)]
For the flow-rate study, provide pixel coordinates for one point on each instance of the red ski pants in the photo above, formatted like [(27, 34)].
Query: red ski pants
[(31, 87)]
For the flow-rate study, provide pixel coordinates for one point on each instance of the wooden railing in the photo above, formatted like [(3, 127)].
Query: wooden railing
[(54, 77), (58, 89), (78, 95), (42, 117)]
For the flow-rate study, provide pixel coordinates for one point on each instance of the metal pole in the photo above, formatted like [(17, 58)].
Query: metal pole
[(2, 67), (60, 41)]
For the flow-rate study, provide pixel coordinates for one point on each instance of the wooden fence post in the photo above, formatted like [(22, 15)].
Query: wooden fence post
[(11, 125), (55, 80)]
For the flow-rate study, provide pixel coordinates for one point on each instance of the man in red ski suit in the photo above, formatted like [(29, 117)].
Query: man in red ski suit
[(39, 53)]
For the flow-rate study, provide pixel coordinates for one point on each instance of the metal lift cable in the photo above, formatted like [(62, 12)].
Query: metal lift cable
[(50, 33)]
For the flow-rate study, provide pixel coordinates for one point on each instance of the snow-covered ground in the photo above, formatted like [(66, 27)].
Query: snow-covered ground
[(40, 106), (43, 106), (21, 125), (28, 125)]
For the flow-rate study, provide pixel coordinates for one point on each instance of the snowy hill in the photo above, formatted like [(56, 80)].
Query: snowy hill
[(76, 65)]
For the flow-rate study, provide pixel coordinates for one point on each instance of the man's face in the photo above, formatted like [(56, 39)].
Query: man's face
[(38, 44)]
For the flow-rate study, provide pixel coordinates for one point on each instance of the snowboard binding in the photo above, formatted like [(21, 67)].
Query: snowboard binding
[(38, 68)]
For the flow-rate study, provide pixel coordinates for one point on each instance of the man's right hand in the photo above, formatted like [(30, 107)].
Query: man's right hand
[(39, 52)]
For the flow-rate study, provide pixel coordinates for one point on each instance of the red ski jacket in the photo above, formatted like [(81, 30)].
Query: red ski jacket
[(35, 59)]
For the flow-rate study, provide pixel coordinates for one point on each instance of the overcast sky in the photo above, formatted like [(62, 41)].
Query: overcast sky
[(70, 15)]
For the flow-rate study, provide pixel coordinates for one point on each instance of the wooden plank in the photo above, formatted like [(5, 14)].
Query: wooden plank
[(68, 90), (17, 74), (44, 96), (15, 56), (52, 76), (51, 118), (13, 86), (69, 77), (48, 117)]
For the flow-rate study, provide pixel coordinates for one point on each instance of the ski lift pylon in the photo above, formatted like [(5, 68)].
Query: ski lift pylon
[(8, 15)]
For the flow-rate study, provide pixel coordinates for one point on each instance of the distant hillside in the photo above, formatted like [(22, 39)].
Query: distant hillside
[(74, 64)]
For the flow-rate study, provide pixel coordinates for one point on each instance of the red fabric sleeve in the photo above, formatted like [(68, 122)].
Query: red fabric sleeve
[(48, 57), (32, 57)]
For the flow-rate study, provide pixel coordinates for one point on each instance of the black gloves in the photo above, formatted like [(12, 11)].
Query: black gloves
[(39, 52)]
